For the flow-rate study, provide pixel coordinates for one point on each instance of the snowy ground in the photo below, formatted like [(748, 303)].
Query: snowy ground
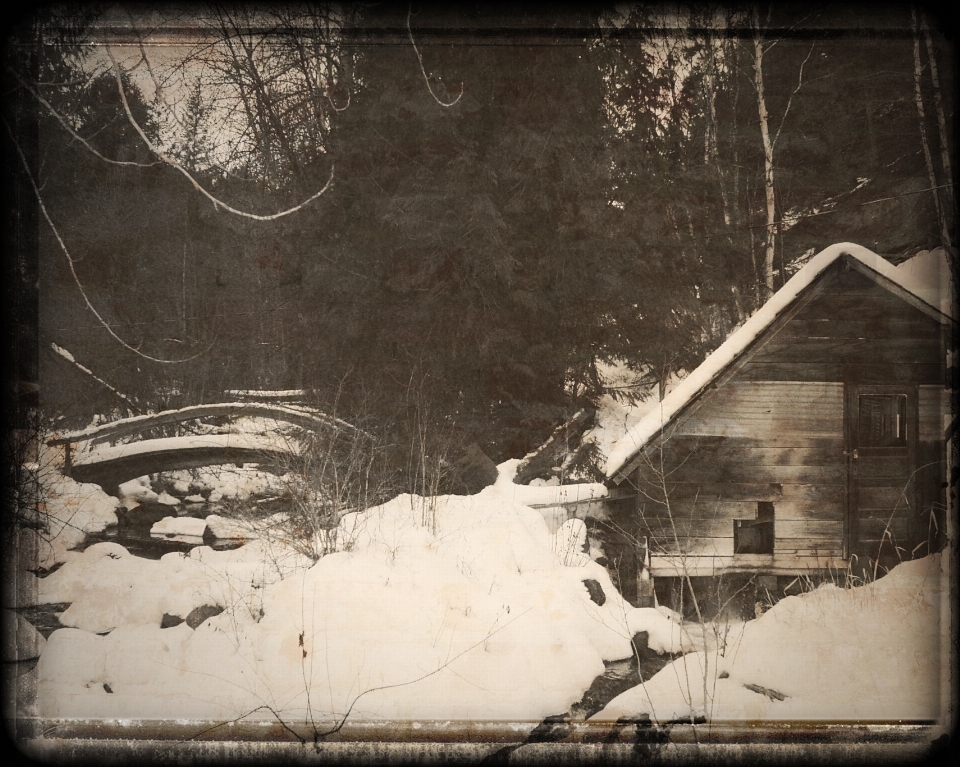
[(452, 607)]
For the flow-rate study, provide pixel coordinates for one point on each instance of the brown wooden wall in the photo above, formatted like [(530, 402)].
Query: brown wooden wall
[(774, 431)]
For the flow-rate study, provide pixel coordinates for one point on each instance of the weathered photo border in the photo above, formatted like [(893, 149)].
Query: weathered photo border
[(69, 741)]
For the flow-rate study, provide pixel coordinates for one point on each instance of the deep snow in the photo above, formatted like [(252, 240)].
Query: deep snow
[(833, 654), (451, 607)]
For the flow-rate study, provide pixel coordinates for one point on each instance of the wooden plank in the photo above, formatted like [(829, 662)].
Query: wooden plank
[(785, 509), (791, 371), (901, 372), (683, 444), (882, 497), (934, 411), (808, 529), (737, 426), (673, 566), (827, 473), (709, 494), (691, 528), (885, 327), (872, 529), (693, 547), (870, 350), (884, 469)]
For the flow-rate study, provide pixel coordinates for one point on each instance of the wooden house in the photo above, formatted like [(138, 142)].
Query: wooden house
[(811, 441)]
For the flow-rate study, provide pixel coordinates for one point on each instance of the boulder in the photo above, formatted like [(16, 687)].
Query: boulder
[(596, 591), (199, 614)]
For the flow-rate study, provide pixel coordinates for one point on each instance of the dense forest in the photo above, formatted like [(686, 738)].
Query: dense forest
[(448, 220)]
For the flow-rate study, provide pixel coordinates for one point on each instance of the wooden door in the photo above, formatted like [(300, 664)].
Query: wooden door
[(881, 447)]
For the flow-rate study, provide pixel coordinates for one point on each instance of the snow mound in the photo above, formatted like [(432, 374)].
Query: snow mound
[(68, 511), (870, 653), (453, 607)]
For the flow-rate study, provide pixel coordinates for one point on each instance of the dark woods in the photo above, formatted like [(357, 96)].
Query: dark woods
[(512, 197)]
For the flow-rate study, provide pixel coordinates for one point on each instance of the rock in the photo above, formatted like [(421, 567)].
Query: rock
[(189, 526), (596, 591), (641, 642), (167, 500), (199, 614), (168, 621), (222, 527), (137, 490), (21, 641), (195, 499)]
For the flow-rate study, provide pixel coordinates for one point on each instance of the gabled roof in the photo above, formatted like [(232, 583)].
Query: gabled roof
[(909, 284)]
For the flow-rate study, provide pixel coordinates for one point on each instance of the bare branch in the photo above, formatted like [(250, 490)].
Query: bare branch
[(70, 358), (62, 120), (70, 262), (786, 110), (196, 185), (424, 71)]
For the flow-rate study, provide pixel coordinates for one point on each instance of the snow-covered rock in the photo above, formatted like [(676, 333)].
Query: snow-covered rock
[(180, 526), (138, 490), (168, 500), (222, 527)]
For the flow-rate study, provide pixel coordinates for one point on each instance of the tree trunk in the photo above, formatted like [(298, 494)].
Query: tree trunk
[(768, 171), (921, 113), (941, 122)]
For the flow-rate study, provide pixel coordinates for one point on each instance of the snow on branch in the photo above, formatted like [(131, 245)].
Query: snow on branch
[(217, 202), (70, 262), (424, 71), (59, 350)]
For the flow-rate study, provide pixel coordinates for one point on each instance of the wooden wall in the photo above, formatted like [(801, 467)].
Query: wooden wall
[(777, 441), (774, 431)]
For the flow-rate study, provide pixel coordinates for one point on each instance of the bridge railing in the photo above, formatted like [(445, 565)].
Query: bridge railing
[(137, 424)]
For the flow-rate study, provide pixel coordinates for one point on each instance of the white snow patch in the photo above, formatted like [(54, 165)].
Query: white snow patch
[(871, 653), (452, 607), (137, 490), (189, 526)]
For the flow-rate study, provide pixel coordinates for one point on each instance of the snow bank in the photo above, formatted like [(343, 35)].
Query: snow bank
[(448, 607), (833, 654), (68, 510)]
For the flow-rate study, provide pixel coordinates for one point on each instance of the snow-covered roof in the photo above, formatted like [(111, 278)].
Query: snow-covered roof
[(923, 281)]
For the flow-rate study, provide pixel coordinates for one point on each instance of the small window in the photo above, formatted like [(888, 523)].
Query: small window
[(755, 536), (883, 420)]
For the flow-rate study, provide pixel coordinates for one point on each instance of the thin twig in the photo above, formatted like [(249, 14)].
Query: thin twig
[(424, 71), (70, 262), (218, 203), (62, 120)]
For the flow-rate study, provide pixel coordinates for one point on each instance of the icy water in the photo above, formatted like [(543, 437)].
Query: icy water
[(132, 530)]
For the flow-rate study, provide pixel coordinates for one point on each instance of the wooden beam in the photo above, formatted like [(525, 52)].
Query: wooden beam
[(138, 424)]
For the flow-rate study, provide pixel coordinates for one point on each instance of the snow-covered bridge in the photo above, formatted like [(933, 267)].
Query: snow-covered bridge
[(89, 456)]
